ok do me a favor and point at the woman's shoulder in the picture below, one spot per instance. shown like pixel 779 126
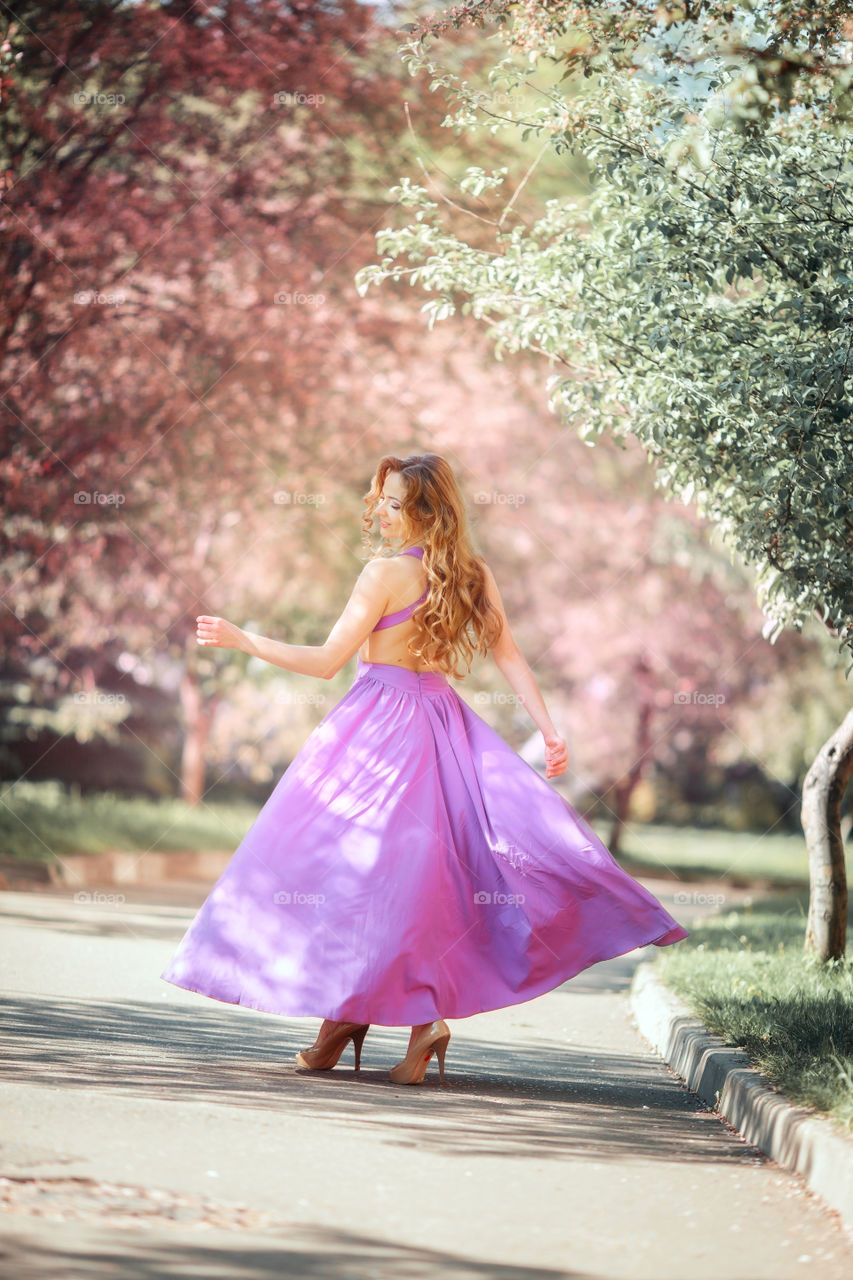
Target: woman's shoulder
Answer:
pixel 387 568
pixel 394 563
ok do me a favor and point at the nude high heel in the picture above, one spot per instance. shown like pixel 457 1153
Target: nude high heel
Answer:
pixel 413 1067
pixel 323 1056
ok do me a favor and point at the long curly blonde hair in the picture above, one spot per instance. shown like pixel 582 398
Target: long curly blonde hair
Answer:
pixel 456 620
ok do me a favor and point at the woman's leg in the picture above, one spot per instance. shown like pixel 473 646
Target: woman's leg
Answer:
pixel 419 1030
pixel 329 1027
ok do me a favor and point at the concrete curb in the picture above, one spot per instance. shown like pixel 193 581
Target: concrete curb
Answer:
pixel 100 869
pixel 723 1078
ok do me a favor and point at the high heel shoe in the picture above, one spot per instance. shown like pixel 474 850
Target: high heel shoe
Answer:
pixel 323 1056
pixel 412 1069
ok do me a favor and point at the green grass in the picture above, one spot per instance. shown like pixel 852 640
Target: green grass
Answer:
pixel 744 973
pixel 38 820
pixel 692 853
pixel 41 820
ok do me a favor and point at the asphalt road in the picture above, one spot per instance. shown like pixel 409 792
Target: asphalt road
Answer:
pixel 152 1133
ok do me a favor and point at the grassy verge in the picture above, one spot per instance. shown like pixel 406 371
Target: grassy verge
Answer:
pixel 38 820
pixel 694 853
pixel 744 973
pixel 41 820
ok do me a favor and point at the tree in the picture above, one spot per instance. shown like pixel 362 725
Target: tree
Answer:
pixel 182 186
pixel 700 298
pixel 822 793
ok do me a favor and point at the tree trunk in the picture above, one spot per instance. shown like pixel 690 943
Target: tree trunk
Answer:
pixel 624 788
pixel 823 790
pixel 198 716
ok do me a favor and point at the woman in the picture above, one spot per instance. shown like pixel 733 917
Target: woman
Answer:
pixel 409 865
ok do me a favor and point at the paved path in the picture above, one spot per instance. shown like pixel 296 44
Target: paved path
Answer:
pixel 152 1133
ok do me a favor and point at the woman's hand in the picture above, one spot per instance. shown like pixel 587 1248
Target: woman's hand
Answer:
pixel 218 632
pixel 556 755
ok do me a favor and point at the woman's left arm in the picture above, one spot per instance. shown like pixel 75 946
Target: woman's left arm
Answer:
pixel 363 610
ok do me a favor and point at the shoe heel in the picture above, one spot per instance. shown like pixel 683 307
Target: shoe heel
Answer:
pixel 357 1042
pixel 413 1067
pixel 440 1047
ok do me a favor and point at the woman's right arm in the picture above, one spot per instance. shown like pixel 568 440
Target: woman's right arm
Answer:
pixel 363 610
pixel 513 667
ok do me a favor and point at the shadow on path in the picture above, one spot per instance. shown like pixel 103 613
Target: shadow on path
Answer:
pixel 311 1254
pixel 500 1098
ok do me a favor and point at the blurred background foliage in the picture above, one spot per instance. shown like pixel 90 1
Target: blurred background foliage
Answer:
pixel 195 399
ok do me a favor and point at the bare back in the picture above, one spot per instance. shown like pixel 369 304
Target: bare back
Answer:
pixel 389 645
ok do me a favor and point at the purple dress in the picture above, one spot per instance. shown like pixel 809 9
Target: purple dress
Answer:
pixel 408 866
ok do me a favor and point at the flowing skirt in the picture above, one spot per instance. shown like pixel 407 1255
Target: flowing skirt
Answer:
pixel 408 866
